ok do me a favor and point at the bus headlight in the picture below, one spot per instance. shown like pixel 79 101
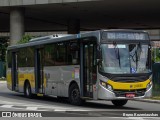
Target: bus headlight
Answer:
pixel 102 83
pixel 149 86
pixel 105 85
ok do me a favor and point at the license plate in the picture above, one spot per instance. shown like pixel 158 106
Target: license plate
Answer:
pixel 138 86
pixel 130 95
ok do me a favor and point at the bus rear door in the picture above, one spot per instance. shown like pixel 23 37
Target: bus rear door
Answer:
pixel 39 75
pixel 14 72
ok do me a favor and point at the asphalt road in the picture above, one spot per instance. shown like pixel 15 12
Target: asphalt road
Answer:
pixel 12 101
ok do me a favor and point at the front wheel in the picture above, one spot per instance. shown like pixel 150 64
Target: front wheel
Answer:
pixel 119 102
pixel 74 95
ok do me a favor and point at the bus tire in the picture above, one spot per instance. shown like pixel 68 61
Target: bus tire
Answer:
pixel 74 95
pixel 119 102
pixel 27 90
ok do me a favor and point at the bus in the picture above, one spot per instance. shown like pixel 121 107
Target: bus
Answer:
pixel 110 65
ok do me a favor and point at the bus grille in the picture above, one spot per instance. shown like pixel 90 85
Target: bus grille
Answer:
pixel 122 93
pixel 129 79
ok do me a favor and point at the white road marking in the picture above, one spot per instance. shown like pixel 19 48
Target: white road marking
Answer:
pixel 6 106
pixel 17 105
pixel 59 110
pixel 31 108
pixel 7 102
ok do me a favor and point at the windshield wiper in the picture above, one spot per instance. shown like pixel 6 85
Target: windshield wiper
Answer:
pixel 117 53
pixel 137 55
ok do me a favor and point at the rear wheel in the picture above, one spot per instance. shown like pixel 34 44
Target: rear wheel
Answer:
pixel 27 90
pixel 74 95
pixel 119 102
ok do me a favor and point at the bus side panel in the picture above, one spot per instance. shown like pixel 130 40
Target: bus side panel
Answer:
pixel 22 76
pixel 58 79
pixel 31 78
pixel 68 74
pixel 26 73
pixel 9 79
pixel 52 75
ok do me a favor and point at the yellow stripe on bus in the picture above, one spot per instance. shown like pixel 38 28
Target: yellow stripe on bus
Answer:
pixel 21 79
pixel 128 86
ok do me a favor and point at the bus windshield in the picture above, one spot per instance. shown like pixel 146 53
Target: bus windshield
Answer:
pixel 125 58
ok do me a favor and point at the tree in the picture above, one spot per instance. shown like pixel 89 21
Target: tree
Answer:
pixel 25 39
pixel 3 48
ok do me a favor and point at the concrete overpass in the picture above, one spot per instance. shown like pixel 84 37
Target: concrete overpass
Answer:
pixel 18 16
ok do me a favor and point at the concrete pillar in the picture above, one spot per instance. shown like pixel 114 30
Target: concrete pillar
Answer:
pixel 16 24
pixel 73 26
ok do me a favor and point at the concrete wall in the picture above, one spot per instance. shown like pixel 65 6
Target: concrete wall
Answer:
pixel 34 2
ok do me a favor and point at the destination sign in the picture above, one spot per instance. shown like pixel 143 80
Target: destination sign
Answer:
pixel 124 36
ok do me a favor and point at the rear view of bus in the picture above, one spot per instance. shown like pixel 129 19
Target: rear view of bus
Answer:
pixel 124 66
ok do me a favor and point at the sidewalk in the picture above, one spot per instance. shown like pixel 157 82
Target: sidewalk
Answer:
pixel 3 81
pixel 148 100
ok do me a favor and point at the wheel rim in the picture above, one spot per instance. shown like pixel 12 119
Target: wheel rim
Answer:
pixel 27 90
pixel 75 95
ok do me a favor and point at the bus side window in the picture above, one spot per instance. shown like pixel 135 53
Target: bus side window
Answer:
pixel 60 54
pixel 73 53
pixel 22 58
pixel 30 57
pixel 50 55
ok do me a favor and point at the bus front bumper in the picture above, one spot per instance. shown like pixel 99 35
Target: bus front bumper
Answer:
pixel 105 94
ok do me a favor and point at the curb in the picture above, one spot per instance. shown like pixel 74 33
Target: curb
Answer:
pixel 148 100
pixel 3 81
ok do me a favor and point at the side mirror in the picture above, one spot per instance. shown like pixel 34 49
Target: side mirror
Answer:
pixel 99 53
pixel 99 61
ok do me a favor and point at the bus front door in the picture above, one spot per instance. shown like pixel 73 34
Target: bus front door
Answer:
pixel 39 76
pixel 14 72
pixel 89 68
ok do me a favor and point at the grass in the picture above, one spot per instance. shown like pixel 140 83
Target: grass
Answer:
pixel 156 98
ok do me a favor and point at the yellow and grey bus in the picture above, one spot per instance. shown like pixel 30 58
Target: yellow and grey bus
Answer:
pixel 110 65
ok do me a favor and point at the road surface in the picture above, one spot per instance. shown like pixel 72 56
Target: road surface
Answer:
pixel 12 101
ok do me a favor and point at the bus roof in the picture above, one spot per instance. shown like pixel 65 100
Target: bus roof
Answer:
pixel 65 37
pixel 52 39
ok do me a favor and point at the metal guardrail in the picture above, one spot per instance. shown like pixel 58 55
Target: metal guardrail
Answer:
pixel 156 79
pixel 2 69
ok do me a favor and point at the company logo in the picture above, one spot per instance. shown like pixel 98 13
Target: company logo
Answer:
pixel 6 114
pixel 21 114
